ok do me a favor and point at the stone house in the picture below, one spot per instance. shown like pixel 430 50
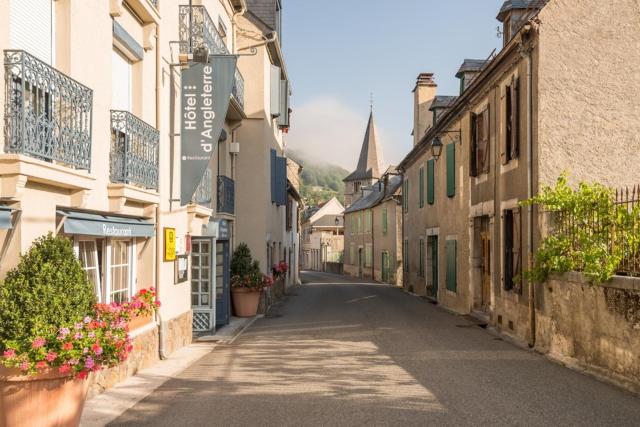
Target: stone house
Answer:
pixel 521 119
pixel 295 205
pixel 323 236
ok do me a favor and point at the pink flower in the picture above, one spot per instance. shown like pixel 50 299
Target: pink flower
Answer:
pixel 24 366
pixel 77 336
pixel 42 365
pixel 86 319
pixel 73 362
pixel 38 342
pixel 96 349
pixel 62 333
pixel 51 356
pixel 78 326
pixel 89 363
pixel 157 303
pixel 9 353
pixel 64 369
pixel 91 334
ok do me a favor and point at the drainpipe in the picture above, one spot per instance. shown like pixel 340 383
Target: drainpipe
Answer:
pixel 161 334
pixel 532 307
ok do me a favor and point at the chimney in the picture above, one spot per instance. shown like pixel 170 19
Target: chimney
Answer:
pixel 423 94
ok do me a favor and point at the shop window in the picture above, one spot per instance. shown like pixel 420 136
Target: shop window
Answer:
pixel 110 266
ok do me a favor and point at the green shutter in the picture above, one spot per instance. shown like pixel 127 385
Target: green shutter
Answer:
pixel 451 254
pixel 421 187
pixel 431 198
pixel 451 170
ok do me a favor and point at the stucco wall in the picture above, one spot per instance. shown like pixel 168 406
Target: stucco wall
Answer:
pixel 589 91
pixel 595 326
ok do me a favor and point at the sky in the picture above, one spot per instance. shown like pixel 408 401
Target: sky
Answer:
pixel 339 51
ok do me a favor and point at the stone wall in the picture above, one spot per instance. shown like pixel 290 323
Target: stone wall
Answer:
pixel 596 327
pixel 178 332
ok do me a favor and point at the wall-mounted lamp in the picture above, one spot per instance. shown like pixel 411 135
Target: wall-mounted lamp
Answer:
pixel 436 147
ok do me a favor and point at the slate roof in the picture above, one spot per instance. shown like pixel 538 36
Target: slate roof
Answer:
pixel 329 221
pixel 368 163
pixel 510 5
pixel 377 195
pixel 442 102
pixel 470 65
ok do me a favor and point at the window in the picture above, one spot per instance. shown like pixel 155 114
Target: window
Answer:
pixel 385 225
pixel 512 249
pixel 368 255
pixel 359 222
pixel 431 164
pixel 421 187
pixel 356 187
pixel 405 256
pixel 479 147
pixel 421 258
pixel 451 248
pixel 110 265
pixel 367 221
pixel 511 146
pixel 121 70
pixel 451 170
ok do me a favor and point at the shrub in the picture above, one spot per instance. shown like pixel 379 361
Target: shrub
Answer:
pixel 245 271
pixel 47 289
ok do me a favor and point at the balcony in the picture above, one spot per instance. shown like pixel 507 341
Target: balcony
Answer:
pixel 133 157
pixel 48 115
pixel 226 195
pixel 202 195
pixel 203 31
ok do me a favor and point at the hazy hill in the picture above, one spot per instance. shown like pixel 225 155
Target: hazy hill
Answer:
pixel 320 180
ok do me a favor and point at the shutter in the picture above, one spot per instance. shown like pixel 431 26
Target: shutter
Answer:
pixel 273 176
pixel 281 181
pixel 421 198
pixel 515 114
pixel 487 148
pixel 430 181
pixel 507 218
pixel 506 143
pixel 275 91
pixel 451 255
pixel 283 118
pixel 421 253
pixel 473 146
pixel 517 247
pixel 451 170
pixel 31 25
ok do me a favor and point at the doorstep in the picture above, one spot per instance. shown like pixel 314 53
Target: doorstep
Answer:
pixel 228 333
pixel 108 406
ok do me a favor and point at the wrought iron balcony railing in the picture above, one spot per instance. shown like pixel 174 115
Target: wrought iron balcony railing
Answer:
pixel 202 195
pixel 226 195
pixel 202 31
pixel 134 151
pixel 47 114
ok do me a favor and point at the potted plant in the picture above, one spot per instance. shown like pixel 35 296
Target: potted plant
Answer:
pixel 247 282
pixel 53 335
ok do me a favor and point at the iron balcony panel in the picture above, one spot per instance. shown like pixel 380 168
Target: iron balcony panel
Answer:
pixel 203 31
pixel 226 195
pixel 47 114
pixel 134 151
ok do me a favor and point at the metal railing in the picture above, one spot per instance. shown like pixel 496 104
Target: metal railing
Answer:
pixel 134 151
pixel 47 114
pixel 202 196
pixel 195 21
pixel 226 195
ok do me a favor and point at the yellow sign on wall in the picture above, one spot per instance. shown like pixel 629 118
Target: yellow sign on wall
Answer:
pixel 169 244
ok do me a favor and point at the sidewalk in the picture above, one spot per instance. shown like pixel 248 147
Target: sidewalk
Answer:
pixel 106 407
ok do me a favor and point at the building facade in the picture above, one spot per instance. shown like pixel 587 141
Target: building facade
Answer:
pixel 94 153
pixel 518 123
pixel 323 236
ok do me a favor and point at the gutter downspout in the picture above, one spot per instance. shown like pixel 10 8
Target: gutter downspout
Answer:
pixel 161 334
pixel 532 307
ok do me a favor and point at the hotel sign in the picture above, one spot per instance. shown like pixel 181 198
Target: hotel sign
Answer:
pixel 206 91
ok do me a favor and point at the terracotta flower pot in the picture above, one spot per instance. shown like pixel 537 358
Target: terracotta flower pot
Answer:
pixel 245 301
pixel 47 399
pixel 137 322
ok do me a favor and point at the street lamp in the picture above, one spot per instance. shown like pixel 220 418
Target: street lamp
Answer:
pixel 436 147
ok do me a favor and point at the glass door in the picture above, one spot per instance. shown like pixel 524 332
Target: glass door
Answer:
pixel 202 284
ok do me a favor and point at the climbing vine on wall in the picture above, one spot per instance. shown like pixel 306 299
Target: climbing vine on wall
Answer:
pixel 590 232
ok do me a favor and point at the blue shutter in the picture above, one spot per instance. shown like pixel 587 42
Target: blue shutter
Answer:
pixel 273 176
pixel 281 181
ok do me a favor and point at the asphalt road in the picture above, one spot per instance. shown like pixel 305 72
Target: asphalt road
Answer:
pixel 342 353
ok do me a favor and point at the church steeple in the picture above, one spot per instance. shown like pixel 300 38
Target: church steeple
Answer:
pixel 369 165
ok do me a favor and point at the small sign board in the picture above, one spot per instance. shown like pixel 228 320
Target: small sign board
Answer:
pixel 181 269
pixel 169 244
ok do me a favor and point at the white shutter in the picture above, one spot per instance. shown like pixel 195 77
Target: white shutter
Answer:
pixel 275 91
pixel 32 27
pixel 121 83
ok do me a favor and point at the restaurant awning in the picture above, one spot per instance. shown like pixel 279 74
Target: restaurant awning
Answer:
pixel 95 224
pixel 5 217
